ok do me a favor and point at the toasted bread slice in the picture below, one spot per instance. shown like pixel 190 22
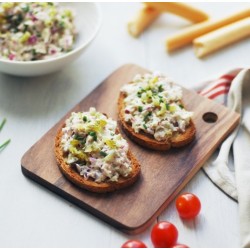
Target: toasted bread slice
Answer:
pixel 147 140
pixel 71 173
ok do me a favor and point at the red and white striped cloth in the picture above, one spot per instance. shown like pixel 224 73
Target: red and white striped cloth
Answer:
pixel 219 88
pixel 228 168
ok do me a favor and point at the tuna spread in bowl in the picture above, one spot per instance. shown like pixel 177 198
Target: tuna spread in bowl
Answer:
pixel 41 38
pixel 32 31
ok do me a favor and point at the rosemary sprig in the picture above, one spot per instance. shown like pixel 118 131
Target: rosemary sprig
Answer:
pixel 4 144
pixel 2 124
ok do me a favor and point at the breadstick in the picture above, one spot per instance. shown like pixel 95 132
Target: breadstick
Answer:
pixel 222 37
pixel 187 35
pixel 184 10
pixel 144 18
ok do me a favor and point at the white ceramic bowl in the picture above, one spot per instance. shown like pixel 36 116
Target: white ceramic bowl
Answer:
pixel 88 22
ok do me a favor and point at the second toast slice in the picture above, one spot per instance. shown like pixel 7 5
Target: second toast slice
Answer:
pixel 152 113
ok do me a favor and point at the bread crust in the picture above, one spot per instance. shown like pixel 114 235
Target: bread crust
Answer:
pixel 103 187
pixel 148 141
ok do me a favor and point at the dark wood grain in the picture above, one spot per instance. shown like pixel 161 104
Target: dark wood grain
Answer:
pixel 163 175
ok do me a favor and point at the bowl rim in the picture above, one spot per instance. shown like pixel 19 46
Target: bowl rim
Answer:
pixel 74 51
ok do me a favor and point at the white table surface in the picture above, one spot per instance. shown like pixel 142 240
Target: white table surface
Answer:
pixel 32 216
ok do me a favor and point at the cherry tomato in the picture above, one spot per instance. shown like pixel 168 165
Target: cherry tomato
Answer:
pixel 188 205
pixel 180 246
pixel 164 234
pixel 134 244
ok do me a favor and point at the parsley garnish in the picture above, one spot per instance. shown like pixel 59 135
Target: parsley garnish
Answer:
pixel 167 106
pixel 140 108
pixel 144 126
pixel 85 118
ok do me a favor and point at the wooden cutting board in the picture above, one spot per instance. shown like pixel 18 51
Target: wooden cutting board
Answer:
pixel 163 174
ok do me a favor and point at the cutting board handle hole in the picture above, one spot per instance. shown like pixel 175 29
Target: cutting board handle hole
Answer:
pixel 210 117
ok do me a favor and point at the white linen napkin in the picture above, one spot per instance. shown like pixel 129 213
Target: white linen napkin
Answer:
pixel 233 89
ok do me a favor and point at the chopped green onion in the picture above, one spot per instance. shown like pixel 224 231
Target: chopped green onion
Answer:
pixel 19 18
pixel 93 134
pixel 26 8
pixel 5 144
pixel 2 124
pixel 61 24
pixel 33 52
pixel 160 88
pixel 154 92
pixel 140 108
pixel 144 126
pixel 167 106
pixel 139 94
pixel 79 138
pixel 146 117
pixel 25 28
pixel 85 118
pixel 181 106
pixel 102 153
